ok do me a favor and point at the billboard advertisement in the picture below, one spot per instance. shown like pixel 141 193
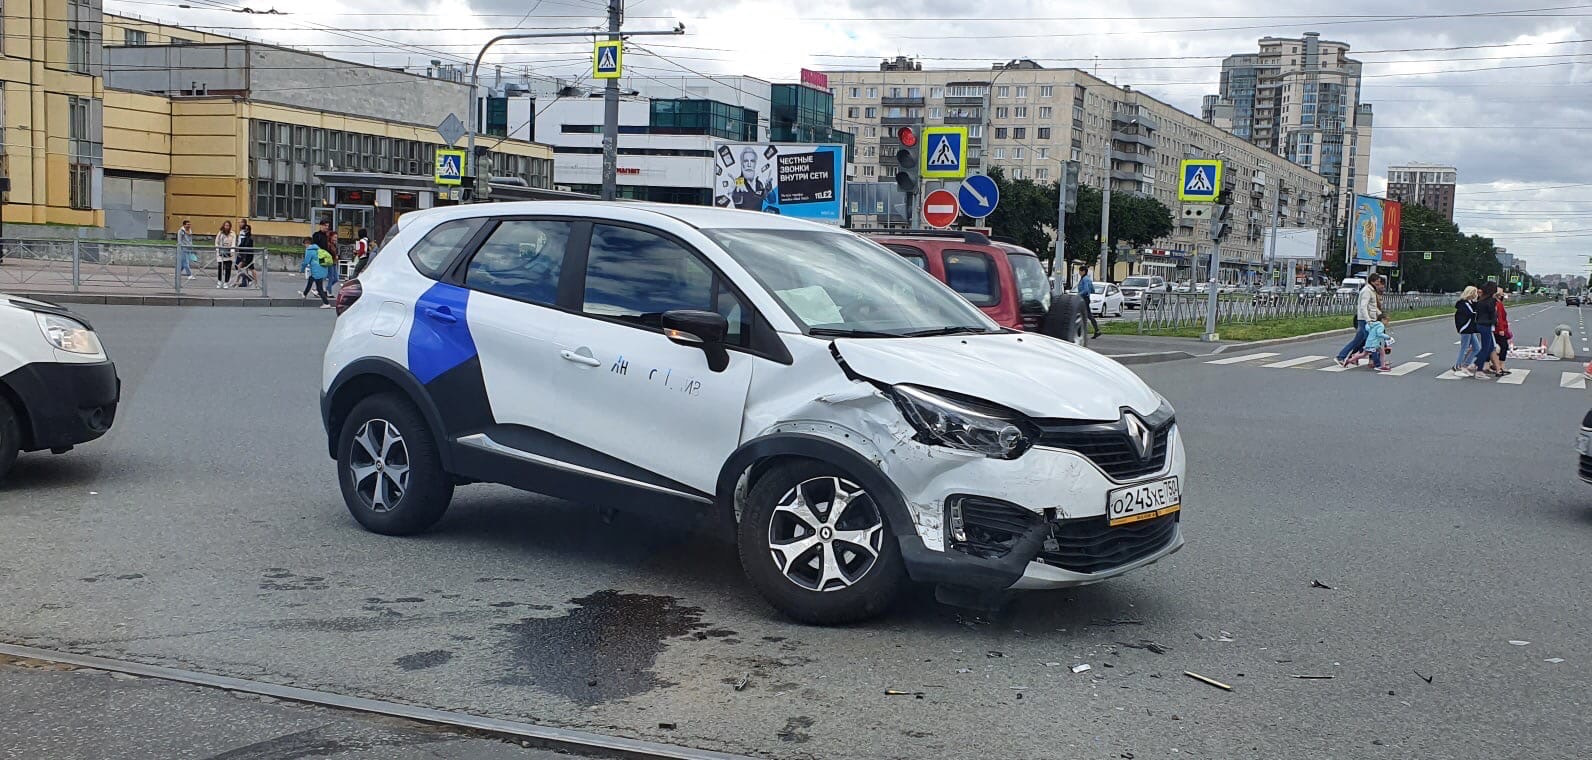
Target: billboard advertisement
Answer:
pixel 1292 243
pixel 1374 235
pixel 804 181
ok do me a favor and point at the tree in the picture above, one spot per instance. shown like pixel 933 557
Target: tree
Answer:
pixel 1135 220
pixel 1026 213
pixel 1457 259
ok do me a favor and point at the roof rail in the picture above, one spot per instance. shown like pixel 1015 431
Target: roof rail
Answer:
pixel 971 238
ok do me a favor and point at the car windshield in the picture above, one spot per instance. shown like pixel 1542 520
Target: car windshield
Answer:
pixel 835 283
pixel 1136 282
pixel 1032 284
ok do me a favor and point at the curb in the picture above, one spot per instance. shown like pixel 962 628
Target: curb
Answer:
pixel 114 300
pixel 1312 336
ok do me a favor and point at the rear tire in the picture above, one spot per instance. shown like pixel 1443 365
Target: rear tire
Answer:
pixel 842 566
pixel 10 437
pixel 1067 319
pixel 390 468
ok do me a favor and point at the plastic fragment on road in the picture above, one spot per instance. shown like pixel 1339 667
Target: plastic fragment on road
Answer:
pixel 1081 667
pixel 1314 678
pixel 1205 680
pixel 1427 679
pixel 1554 660
pixel 1319 584
pixel 743 681
pixel 1519 643
pixel 1147 644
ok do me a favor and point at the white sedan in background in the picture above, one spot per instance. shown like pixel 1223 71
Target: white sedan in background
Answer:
pixel 1106 301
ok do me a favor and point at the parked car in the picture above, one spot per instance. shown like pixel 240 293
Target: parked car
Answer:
pixel 58 388
pixel 1134 288
pixel 1350 286
pixel 1106 301
pixel 1572 299
pixel 858 423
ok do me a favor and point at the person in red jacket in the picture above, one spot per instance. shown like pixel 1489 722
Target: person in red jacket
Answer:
pixel 1502 335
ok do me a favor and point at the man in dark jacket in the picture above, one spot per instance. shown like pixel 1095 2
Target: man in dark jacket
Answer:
pixel 1486 321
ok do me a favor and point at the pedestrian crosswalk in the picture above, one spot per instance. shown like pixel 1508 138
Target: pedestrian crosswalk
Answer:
pixel 1571 378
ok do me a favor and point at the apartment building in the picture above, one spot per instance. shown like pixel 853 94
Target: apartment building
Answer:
pixel 1428 185
pixel 1027 120
pixel 1300 99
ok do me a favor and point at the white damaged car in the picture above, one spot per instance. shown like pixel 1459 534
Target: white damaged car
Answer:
pixel 860 423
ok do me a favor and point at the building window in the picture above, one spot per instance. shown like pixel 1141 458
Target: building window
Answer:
pixel 936 112
pixel 871 113
pixel 1017 173
pixel 873 92
pixel 870 151
pixel 895 92
pixel 1046 112
pixel 1022 91
pixel 1003 91
pixel 856 92
pixel 135 37
pixel 1077 113
pixel 1043 152
pixel 1020 133
pixel 78 42
pixel 998 153
pixel 1044 133
pixel 914 92
pixel 1077 155
pixel 1047 91
pixel 1017 152
pixel 1002 112
pixel 1000 133
pixel 1041 173
pixel 870 131
pixel 77 111
pixel 82 185
pixel 936 92
pixel 868 170
pixel 853 112
pixel 1022 112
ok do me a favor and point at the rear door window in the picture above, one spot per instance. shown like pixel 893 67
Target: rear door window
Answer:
pixel 973 275
pixel 436 250
pixel 522 259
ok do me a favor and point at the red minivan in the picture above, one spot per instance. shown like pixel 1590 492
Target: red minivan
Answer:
pixel 1006 281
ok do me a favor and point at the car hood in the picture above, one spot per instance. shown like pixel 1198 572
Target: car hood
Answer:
pixel 1033 374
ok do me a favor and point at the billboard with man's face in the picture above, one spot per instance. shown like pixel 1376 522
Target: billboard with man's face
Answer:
pixel 804 181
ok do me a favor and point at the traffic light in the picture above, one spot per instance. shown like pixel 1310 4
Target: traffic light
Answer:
pixel 1220 211
pixel 1069 184
pixel 907 160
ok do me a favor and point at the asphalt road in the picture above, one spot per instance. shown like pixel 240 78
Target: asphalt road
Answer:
pixel 206 533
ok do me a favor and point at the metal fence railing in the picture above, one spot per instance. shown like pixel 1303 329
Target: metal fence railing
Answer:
pixel 1161 312
pixel 78 265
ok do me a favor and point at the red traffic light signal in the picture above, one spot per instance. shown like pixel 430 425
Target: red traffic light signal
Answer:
pixel 907 137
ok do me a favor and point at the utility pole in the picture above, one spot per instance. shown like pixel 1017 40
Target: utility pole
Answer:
pixel 1271 263
pixel 616 18
pixel 1105 220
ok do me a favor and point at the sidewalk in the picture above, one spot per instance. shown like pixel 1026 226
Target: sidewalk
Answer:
pixel 136 285
pixel 51 711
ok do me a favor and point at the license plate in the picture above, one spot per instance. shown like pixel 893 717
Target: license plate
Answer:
pixel 1143 501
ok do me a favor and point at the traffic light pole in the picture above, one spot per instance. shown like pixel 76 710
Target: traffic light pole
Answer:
pixel 1210 301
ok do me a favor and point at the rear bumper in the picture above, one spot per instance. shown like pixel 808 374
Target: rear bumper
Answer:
pixel 65 403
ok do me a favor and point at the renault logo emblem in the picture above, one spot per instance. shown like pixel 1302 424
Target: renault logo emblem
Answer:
pixel 1138 432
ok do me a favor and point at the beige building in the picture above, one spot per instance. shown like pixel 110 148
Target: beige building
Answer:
pixel 130 134
pixel 1300 98
pixel 1028 120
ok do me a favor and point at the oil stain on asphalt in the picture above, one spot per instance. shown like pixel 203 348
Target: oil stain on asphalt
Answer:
pixel 603 650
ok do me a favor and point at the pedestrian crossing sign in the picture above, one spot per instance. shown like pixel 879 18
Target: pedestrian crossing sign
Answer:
pixel 608 59
pixel 450 167
pixel 944 153
pixel 1200 180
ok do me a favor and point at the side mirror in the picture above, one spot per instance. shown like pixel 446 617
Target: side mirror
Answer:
pixel 699 329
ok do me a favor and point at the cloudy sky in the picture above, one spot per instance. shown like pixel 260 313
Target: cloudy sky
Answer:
pixel 1502 89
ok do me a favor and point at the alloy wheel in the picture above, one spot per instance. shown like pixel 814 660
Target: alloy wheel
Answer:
pixel 379 464
pixel 825 534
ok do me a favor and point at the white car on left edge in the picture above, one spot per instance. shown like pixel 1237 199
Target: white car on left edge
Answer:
pixel 57 387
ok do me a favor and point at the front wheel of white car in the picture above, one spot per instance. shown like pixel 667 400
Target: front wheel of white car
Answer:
pixel 818 546
pixel 390 469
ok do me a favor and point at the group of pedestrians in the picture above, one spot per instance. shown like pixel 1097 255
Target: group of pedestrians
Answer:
pixel 1371 339
pixel 1484 335
pixel 235 254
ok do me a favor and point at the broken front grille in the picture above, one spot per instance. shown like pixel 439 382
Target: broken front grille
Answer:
pixel 1110 445
pixel 1091 545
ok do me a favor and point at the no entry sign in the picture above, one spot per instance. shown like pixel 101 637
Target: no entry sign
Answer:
pixel 939 209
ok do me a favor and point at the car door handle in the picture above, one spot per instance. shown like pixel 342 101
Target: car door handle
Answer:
pixel 580 358
pixel 440 314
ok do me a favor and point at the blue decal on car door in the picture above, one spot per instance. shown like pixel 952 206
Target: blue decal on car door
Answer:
pixel 440 339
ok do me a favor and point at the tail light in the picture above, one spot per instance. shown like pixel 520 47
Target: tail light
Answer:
pixel 347 295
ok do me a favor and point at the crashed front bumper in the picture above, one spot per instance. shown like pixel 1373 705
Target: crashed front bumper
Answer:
pixel 1059 493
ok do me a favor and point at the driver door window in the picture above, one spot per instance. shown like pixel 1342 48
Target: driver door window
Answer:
pixel 634 276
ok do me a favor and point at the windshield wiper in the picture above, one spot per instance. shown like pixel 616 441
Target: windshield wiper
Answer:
pixel 957 330
pixel 835 332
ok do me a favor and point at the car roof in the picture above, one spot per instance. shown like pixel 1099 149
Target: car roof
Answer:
pixel 701 217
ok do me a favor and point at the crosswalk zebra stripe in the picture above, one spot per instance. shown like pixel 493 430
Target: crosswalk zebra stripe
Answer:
pixel 1334 367
pixel 1293 362
pixel 1449 374
pixel 1244 358
pixel 1515 377
pixel 1423 356
pixel 1572 380
pixel 1405 368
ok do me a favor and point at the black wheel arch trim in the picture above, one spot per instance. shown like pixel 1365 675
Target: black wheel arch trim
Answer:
pixel 395 373
pixel 923 565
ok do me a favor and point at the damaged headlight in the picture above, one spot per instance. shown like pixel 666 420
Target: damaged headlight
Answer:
pixel 69 335
pixel 963 423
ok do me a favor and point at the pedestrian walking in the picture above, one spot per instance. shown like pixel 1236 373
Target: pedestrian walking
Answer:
pixel 1086 289
pixel 1465 325
pixel 1366 311
pixel 326 238
pixel 361 251
pixel 1486 322
pixel 244 264
pixel 185 252
pixel 315 265
pixel 1502 336
pixel 1377 346
pixel 226 248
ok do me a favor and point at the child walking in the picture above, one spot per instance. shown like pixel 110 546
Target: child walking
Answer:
pixel 315 265
pixel 1377 341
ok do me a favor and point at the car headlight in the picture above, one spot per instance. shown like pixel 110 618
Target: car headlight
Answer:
pixel 963 424
pixel 69 335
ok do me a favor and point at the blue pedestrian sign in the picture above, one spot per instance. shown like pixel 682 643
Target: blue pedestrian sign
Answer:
pixel 450 167
pixel 978 196
pixel 944 153
pixel 1200 180
pixel 608 59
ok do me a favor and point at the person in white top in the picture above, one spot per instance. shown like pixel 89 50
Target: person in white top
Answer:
pixel 226 248
pixel 1365 312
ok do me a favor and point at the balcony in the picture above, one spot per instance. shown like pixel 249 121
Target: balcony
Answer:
pixel 908 102
pixel 1142 118
pixel 1131 158
pixel 1129 175
pixel 964 120
pixel 952 101
pixel 1141 139
pixel 901 121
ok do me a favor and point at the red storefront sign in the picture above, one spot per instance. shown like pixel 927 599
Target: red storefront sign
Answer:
pixel 815 79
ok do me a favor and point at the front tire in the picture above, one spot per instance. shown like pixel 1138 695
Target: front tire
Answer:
pixel 10 437
pixel 818 546
pixel 390 469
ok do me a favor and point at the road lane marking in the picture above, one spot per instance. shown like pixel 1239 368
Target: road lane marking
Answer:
pixel 1405 368
pixel 1423 356
pixel 1334 367
pixel 1515 377
pixel 1455 342
pixel 1572 380
pixel 1452 375
pixel 1294 362
pixel 1244 358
